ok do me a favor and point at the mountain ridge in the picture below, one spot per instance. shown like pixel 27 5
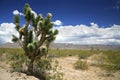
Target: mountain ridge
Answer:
pixel 69 46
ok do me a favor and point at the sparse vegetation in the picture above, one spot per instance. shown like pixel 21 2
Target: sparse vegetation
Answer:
pixel 85 54
pixel 18 62
pixel 111 60
pixel 70 52
pixel 11 50
pixel 110 57
pixel 83 65
pixel 48 71
pixel 43 68
pixel 63 53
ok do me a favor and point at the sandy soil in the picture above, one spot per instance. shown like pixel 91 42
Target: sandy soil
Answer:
pixel 93 73
pixel 5 75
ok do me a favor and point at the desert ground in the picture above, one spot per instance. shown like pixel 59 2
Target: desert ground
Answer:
pixel 67 68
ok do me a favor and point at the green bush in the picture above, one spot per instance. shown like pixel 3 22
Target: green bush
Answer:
pixel 42 67
pixel 70 52
pixel 47 71
pixel 17 61
pixel 2 50
pixel 83 65
pixel 113 58
pixel 43 64
pixel 109 60
pixel 16 66
pixel 84 55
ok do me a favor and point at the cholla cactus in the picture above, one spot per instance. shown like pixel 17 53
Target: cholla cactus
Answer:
pixel 39 33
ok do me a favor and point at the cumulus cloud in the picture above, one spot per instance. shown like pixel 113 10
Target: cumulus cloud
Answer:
pixel 35 14
pixel 79 34
pixel 6 31
pixel 16 12
pixel 93 34
pixel 57 23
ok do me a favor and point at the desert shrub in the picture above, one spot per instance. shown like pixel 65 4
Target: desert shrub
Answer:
pixel 17 61
pixel 17 56
pixel 57 75
pixel 10 51
pixel 70 52
pixel 45 70
pixel 85 54
pixel 16 66
pixel 83 65
pixel 61 53
pixel 2 51
pixel 43 64
pixel 113 58
pixel 1 54
pixel 107 67
pixel 109 60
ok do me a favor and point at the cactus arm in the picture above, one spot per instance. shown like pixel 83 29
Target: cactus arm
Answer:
pixel 25 42
pixel 42 39
pixel 19 41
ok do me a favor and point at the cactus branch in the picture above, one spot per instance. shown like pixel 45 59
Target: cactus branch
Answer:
pixel 40 34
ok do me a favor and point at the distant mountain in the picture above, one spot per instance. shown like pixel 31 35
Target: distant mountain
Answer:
pixel 84 47
pixel 69 46
pixel 10 45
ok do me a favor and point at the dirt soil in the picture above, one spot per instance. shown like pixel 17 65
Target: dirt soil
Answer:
pixel 93 73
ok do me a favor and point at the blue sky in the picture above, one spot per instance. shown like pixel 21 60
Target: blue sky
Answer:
pixel 78 21
pixel 70 12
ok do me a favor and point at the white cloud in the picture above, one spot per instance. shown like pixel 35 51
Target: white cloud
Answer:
pixel 6 31
pixel 57 23
pixel 94 25
pixel 79 34
pixel 16 12
pixel 93 34
pixel 35 14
